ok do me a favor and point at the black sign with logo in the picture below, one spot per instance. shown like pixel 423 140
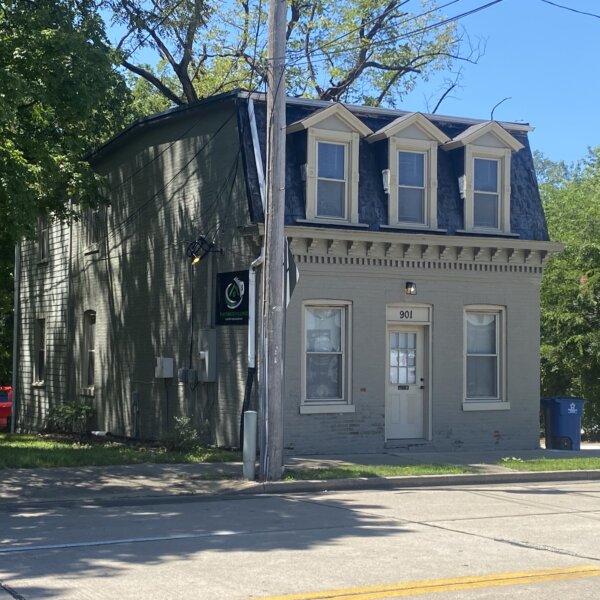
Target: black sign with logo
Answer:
pixel 232 298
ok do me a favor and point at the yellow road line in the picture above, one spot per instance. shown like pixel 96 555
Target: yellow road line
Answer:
pixel 414 588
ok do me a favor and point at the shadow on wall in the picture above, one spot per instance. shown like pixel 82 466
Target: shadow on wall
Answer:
pixel 168 188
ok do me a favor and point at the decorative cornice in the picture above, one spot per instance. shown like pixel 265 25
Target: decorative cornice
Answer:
pixel 384 249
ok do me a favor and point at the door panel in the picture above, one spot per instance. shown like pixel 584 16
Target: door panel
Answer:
pixel 404 383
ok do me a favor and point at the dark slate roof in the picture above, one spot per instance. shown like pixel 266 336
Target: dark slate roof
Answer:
pixel 527 216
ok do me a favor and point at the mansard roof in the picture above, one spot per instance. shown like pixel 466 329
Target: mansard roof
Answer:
pixel 527 216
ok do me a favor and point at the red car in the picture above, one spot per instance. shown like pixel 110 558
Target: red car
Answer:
pixel 5 406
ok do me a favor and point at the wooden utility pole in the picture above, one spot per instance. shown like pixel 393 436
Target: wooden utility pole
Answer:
pixel 271 459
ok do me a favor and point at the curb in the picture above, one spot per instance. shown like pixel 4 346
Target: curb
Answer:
pixel 390 483
pixel 245 489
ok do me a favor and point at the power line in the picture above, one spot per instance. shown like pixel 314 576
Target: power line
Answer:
pixel 373 19
pixel 408 34
pixel 580 12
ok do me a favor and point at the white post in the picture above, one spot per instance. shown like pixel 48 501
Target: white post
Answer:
pixel 249 452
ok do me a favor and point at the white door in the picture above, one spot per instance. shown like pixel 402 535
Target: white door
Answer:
pixel 405 383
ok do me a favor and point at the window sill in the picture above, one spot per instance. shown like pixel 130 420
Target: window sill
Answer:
pixel 38 384
pixel 413 228
pixel 310 409
pixel 473 405
pixel 91 249
pixel 488 233
pixel 87 391
pixel 339 222
pixel 42 261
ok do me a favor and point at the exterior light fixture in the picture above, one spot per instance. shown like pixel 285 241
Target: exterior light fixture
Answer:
pixel 410 288
pixel 199 248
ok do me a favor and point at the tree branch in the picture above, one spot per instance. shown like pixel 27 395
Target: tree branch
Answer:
pixel 155 81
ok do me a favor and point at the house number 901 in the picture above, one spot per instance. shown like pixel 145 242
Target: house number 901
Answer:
pixel 406 314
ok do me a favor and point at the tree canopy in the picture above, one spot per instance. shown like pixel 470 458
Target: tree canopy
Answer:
pixel 570 350
pixel 363 51
pixel 59 96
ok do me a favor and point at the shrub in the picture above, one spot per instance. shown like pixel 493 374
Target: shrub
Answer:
pixel 70 417
pixel 182 437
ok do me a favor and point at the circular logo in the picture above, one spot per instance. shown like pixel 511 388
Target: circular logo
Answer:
pixel 234 293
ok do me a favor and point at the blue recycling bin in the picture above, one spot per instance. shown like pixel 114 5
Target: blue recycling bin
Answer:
pixel 562 418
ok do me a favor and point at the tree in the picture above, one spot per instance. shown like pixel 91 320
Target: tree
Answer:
pixel 570 350
pixel 59 96
pixel 365 51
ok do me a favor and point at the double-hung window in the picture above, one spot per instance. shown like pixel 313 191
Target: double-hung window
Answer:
pixel 89 349
pixel 486 193
pixel 332 177
pixel 331 174
pixel 43 235
pixel 485 184
pixel 484 360
pixel 39 351
pixel 92 227
pixel 411 183
pixel 411 187
pixel 326 356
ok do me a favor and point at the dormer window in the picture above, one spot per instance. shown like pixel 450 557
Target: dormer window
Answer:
pixel 331 169
pixel 411 177
pixel 485 184
pixel 411 187
pixel 486 193
pixel 332 178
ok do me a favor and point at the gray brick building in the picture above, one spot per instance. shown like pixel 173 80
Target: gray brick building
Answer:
pixel 420 242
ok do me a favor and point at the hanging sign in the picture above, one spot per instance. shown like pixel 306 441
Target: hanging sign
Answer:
pixel 232 298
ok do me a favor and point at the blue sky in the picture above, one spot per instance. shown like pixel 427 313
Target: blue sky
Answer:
pixel 546 59
pixel 543 58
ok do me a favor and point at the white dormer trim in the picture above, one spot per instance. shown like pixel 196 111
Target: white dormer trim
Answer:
pixel 336 126
pixel 338 111
pixel 415 134
pixel 486 210
pixel 399 125
pixel 475 132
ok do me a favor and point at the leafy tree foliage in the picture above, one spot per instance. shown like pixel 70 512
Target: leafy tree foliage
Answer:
pixel 571 287
pixel 59 96
pixel 364 51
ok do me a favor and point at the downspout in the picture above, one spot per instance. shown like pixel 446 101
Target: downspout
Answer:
pixel 251 339
pixel 16 317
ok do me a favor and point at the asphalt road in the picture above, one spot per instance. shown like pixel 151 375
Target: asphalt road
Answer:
pixel 499 541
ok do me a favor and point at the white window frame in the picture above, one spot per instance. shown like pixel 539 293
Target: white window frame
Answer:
pixel 351 141
pixel 430 150
pixel 500 402
pixel 503 158
pixel 40 336
pixel 87 350
pixel 329 405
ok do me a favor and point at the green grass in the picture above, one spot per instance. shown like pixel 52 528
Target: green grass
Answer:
pixel 551 464
pixel 19 451
pixel 325 473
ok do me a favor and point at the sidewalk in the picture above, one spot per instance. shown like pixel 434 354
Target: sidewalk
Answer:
pixel 162 483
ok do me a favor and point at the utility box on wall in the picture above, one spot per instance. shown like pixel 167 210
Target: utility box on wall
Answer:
pixel 164 367
pixel 207 350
